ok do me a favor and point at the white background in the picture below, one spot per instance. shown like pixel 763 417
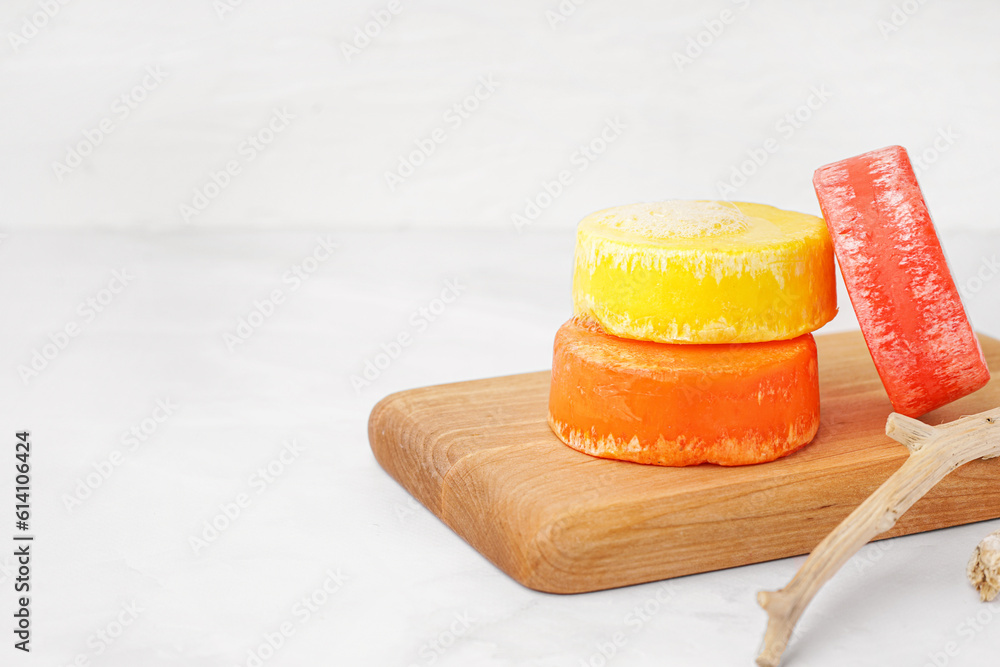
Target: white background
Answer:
pixel 686 127
pixel 928 77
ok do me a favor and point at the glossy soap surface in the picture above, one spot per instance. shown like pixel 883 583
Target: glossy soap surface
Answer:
pixel 679 405
pixel 704 272
pixel 895 270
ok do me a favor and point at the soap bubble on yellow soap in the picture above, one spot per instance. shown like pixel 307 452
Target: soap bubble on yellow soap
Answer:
pixel 688 221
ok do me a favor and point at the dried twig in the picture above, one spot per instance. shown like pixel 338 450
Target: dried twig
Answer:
pixel 984 567
pixel 934 452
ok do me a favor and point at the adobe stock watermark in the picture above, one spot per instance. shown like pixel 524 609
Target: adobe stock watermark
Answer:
pixel 59 340
pixel 988 269
pixel 230 511
pixel 943 141
pixel 403 511
pixel 302 612
pixel 217 181
pixel 562 12
pixel 33 24
pixel 102 639
pixel 120 109
pixel 968 629
pixel 785 128
pixel 432 650
pixel 605 651
pixel 871 554
pixel 581 159
pixel 899 16
pixel 454 117
pixel 131 440
pixel 365 34
pixel 264 309
pixel 224 8
pixel 702 40
pixel 419 321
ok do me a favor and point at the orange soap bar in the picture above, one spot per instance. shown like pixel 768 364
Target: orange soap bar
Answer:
pixel 679 405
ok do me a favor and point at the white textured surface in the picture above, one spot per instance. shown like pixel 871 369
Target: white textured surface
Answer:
pixel 162 337
pixel 606 74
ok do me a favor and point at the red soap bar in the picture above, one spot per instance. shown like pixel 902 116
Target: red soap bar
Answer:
pixel 895 271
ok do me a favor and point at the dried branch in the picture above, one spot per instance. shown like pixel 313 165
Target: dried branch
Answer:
pixel 934 452
pixel 984 567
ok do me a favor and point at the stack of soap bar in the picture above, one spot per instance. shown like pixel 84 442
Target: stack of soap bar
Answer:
pixel 682 405
pixel 704 272
pixel 691 336
pixel 905 298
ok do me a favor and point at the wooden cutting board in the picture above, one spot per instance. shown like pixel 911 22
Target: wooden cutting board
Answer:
pixel 480 455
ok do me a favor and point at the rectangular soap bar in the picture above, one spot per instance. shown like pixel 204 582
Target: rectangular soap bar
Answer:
pixel 902 291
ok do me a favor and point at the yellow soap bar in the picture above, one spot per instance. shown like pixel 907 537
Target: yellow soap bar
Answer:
pixel 704 272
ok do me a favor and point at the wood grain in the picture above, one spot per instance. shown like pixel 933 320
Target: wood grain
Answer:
pixel 480 455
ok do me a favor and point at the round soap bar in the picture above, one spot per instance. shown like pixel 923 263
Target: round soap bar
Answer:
pixel 907 305
pixel 679 405
pixel 704 272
